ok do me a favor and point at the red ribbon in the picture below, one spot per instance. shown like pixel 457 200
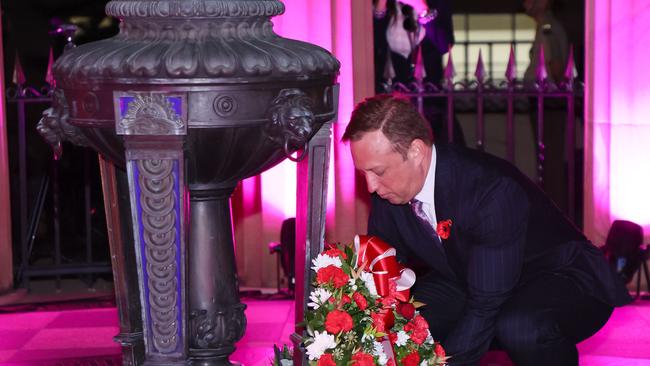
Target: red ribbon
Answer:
pixel 378 257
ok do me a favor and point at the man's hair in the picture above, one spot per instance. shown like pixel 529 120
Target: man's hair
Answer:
pixel 395 116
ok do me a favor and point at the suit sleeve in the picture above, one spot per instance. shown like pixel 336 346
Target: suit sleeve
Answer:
pixel 382 225
pixel 498 231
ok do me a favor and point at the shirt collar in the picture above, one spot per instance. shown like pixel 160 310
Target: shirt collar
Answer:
pixel 426 195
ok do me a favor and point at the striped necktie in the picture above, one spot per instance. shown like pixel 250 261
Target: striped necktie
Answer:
pixel 418 210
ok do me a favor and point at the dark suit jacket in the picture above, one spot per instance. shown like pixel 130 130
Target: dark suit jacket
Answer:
pixel 505 232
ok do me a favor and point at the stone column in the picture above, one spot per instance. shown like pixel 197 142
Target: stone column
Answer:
pixel 217 318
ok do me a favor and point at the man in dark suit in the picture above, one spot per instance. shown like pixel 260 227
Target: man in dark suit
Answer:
pixel 505 265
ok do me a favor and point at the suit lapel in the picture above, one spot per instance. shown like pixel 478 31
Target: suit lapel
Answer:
pixel 442 195
pixel 443 183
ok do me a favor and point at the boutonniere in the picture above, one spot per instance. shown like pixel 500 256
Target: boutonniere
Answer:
pixel 444 228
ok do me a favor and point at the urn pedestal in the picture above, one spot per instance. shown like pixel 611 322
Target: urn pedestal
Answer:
pixel 187 100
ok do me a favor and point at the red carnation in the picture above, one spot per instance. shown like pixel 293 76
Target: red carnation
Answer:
pixel 419 336
pixel 418 328
pixel 389 299
pixel 406 309
pixel 335 252
pixel 378 322
pixel 439 351
pixel 383 321
pixel 362 359
pixel 418 323
pixel 412 359
pixel 337 321
pixel 332 274
pixel 392 337
pixel 443 229
pixel 390 362
pixel 361 301
pixel 345 299
pixel 327 359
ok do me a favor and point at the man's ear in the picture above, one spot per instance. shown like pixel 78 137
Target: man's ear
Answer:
pixel 416 149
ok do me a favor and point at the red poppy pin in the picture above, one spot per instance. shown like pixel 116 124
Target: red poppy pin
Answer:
pixel 444 228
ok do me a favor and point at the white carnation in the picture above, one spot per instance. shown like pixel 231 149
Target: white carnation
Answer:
pixel 318 297
pixel 402 338
pixel 285 362
pixel 324 260
pixel 353 284
pixel 369 281
pixel 377 348
pixel 424 363
pixel 378 351
pixel 322 342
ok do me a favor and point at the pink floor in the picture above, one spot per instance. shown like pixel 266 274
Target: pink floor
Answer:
pixel 84 337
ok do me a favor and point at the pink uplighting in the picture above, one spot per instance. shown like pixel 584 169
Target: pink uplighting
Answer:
pixel 85 337
pixel 617 116
pixel 312 21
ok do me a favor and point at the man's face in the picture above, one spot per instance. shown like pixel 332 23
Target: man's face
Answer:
pixel 387 173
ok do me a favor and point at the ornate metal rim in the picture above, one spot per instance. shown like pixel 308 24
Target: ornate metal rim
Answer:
pixel 194 9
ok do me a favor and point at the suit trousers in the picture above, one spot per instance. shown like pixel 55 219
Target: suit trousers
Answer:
pixel 539 324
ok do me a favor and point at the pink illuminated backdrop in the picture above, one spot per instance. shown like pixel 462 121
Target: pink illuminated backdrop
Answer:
pixel 263 202
pixel 617 115
pixel 326 24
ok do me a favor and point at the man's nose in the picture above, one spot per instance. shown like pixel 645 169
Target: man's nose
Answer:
pixel 372 183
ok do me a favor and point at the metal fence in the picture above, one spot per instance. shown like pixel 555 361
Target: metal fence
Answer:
pixel 509 97
pixel 32 203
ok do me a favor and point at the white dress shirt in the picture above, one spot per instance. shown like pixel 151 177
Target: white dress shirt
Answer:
pixel 427 194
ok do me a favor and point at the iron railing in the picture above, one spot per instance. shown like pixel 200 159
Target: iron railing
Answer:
pixel 510 97
pixel 30 217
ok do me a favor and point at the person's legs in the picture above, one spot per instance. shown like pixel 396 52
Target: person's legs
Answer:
pixel 544 319
pixel 444 301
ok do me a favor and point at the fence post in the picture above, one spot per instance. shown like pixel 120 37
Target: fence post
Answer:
pixel 480 114
pixel 511 75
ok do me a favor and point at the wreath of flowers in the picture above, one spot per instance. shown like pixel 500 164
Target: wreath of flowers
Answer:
pixel 360 312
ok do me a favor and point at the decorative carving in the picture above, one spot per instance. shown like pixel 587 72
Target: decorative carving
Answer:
pixel 224 105
pixel 220 328
pixel 292 119
pixel 165 48
pixel 327 97
pixel 209 8
pixel 90 103
pixel 149 114
pixel 54 126
pixel 159 227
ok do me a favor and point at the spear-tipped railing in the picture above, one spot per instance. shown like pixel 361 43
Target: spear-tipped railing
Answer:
pixel 25 97
pixel 510 96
